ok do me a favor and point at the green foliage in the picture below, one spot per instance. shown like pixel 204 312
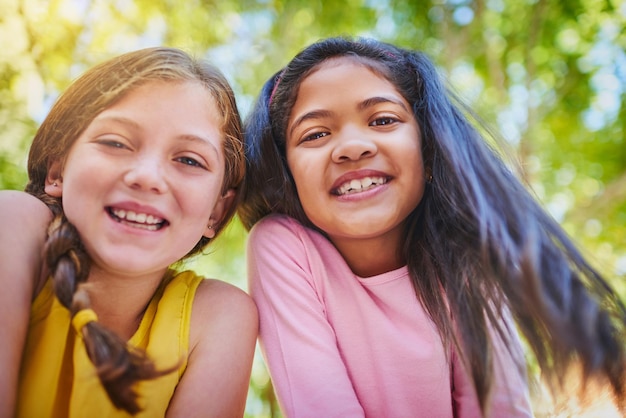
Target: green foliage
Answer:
pixel 550 75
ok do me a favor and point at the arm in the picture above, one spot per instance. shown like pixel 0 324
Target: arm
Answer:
pixel 224 327
pixel 23 221
pixel 297 341
pixel 509 392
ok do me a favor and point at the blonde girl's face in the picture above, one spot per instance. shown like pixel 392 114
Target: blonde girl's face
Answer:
pixel 143 181
pixel 354 150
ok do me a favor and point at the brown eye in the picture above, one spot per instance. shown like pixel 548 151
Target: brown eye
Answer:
pixel 313 137
pixel 383 121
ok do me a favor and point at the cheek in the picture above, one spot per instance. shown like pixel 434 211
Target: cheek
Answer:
pixel 80 198
pixel 78 182
pixel 306 184
pixel 198 201
pixel 304 178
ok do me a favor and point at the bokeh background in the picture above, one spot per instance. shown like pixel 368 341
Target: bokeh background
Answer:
pixel 549 75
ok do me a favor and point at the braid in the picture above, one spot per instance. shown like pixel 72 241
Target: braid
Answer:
pixel 119 365
pixel 66 259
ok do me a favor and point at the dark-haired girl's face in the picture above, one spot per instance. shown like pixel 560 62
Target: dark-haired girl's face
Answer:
pixel 354 150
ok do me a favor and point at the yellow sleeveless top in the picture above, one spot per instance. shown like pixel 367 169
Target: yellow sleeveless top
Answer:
pixel 57 379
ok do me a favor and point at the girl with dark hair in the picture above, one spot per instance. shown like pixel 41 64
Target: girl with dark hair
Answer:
pixel 135 168
pixel 392 251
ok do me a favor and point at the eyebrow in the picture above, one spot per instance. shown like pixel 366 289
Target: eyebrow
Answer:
pixel 133 124
pixel 372 101
pixel 119 119
pixel 199 140
pixel 369 102
pixel 314 114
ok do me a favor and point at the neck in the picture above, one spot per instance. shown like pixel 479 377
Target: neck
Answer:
pixel 368 258
pixel 121 302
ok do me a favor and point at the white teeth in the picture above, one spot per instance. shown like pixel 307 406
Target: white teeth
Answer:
pixel 137 218
pixel 360 185
pixel 141 226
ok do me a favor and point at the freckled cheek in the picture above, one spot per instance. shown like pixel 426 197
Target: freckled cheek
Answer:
pixel 80 181
pixel 198 201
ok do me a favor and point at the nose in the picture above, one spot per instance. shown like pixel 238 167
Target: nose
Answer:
pixel 146 173
pixel 353 145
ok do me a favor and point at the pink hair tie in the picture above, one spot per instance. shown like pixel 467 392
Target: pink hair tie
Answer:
pixel 276 83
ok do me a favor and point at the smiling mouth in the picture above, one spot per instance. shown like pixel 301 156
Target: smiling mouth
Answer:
pixel 359 185
pixel 137 220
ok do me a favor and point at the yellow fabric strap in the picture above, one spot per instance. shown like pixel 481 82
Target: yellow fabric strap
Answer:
pixel 82 318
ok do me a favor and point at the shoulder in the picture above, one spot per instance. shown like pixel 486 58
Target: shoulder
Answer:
pixel 16 204
pixel 222 314
pixel 274 233
pixel 276 223
pixel 222 341
pixel 24 221
pixel 23 213
pixel 219 302
pixel 279 239
pixel 23 226
pixel 215 291
pixel 224 326
pixel 279 231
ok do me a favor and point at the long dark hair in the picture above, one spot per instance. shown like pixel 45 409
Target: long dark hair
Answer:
pixel 119 366
pixel 477 246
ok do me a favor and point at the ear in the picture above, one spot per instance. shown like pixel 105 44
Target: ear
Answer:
pixel 220 209
pixel 54 179
pixel 428 174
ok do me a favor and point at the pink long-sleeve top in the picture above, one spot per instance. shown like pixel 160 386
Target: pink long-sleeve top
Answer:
pixel 338 345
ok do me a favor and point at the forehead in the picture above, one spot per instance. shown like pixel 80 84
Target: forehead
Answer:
pixel 342 79
pixel 175 98
pixel 351 61
pixel 166 109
